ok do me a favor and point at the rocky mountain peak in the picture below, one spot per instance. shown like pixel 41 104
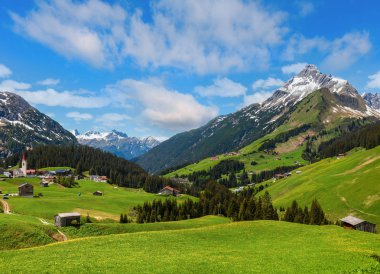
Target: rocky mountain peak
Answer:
pixel 372 100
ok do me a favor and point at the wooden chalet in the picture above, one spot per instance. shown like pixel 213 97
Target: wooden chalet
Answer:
pixel 351 222
pixel 26 190
pixel 97 193
pixel 44 184
pixel 67 219
pixel 168 190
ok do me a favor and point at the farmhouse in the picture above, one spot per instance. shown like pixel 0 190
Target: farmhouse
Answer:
pixel 44 184
pixel 67 219
pixel 99 179
pixel 168 190
pixel 25 190
pixel 18 173
pixel 351 222
pixel 98 193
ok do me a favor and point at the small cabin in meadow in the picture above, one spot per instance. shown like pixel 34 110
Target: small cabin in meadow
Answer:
pixel 351 222
pixel 98 193
pixel 44 184
pixel 67 219
pixel 168 190
pixel 25 190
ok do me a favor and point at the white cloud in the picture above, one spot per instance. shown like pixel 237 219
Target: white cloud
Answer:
pixel 257 97
pixel 347 50
pixel 112 120
pixel 298 45
pixel 305 8
pixel 77 116
pixel 337 54
pixel 161 107
pixel 51 97
pixel 12 86
pixel 48 82
pixel 293 68
pixel 201 36
pixel 4 71
pixel 87 31
pixel 374 80
pixel 222 87
pixel 267 83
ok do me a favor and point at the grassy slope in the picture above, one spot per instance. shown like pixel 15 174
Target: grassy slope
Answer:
pixel 256 247
pixel 58 199
pixel 97 229
pixel 18 231
pixel 349 185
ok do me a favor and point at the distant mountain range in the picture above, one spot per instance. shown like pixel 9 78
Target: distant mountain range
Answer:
pixel 117 142
pixel 21 126
pixel 336 103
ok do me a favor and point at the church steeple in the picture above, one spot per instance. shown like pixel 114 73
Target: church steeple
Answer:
pixel 24 164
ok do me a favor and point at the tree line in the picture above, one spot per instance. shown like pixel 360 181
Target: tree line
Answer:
pixel 214 200
pixel 366 137
pixel 119 171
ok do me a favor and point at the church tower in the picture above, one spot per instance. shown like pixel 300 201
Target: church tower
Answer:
pixel 24 164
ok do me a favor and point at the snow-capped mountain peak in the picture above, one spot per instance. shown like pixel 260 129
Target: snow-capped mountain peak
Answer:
pixel 305 82
pixel 117 142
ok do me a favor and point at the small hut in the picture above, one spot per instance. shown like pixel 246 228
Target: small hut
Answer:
pixel 98 193
pixel 67 219
pixel 168 190
pixel 351 222
pixel 44 184
pixel 25 190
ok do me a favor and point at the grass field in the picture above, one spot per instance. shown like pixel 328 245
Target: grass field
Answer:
pixel 57 199
pixel 349 185
pixel 243 247
pixel 21 231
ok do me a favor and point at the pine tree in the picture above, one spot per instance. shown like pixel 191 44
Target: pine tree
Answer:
pixel 317 216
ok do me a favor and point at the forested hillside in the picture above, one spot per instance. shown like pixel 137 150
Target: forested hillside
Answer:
pixel 366 137
pixel 84 158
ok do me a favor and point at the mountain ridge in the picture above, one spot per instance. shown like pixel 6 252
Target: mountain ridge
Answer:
pixel 233 131
pixel 22 125
pixel 117 142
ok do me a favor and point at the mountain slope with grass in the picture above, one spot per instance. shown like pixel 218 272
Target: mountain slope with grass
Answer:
pixel 316 119
pixel 343 185
pixel 339 101
pixel 246 247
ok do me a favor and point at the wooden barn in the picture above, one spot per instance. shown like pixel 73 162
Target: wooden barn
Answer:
pixel 98 193
pixel 25 190
pixel 351 222
pixel 67 219
pixel 168 190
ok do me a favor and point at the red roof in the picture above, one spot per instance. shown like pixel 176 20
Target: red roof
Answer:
pixel 171 189
pixel 23 157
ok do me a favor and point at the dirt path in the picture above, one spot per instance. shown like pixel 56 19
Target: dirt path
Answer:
pixel 64 238
pixel 362 165
pixel 44 222
pixel 6 207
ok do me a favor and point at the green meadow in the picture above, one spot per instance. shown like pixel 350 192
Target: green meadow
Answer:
pixel 55 199
pixel 241 247
pixel 348 185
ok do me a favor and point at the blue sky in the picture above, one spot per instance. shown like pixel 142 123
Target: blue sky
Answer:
pixel 161 67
